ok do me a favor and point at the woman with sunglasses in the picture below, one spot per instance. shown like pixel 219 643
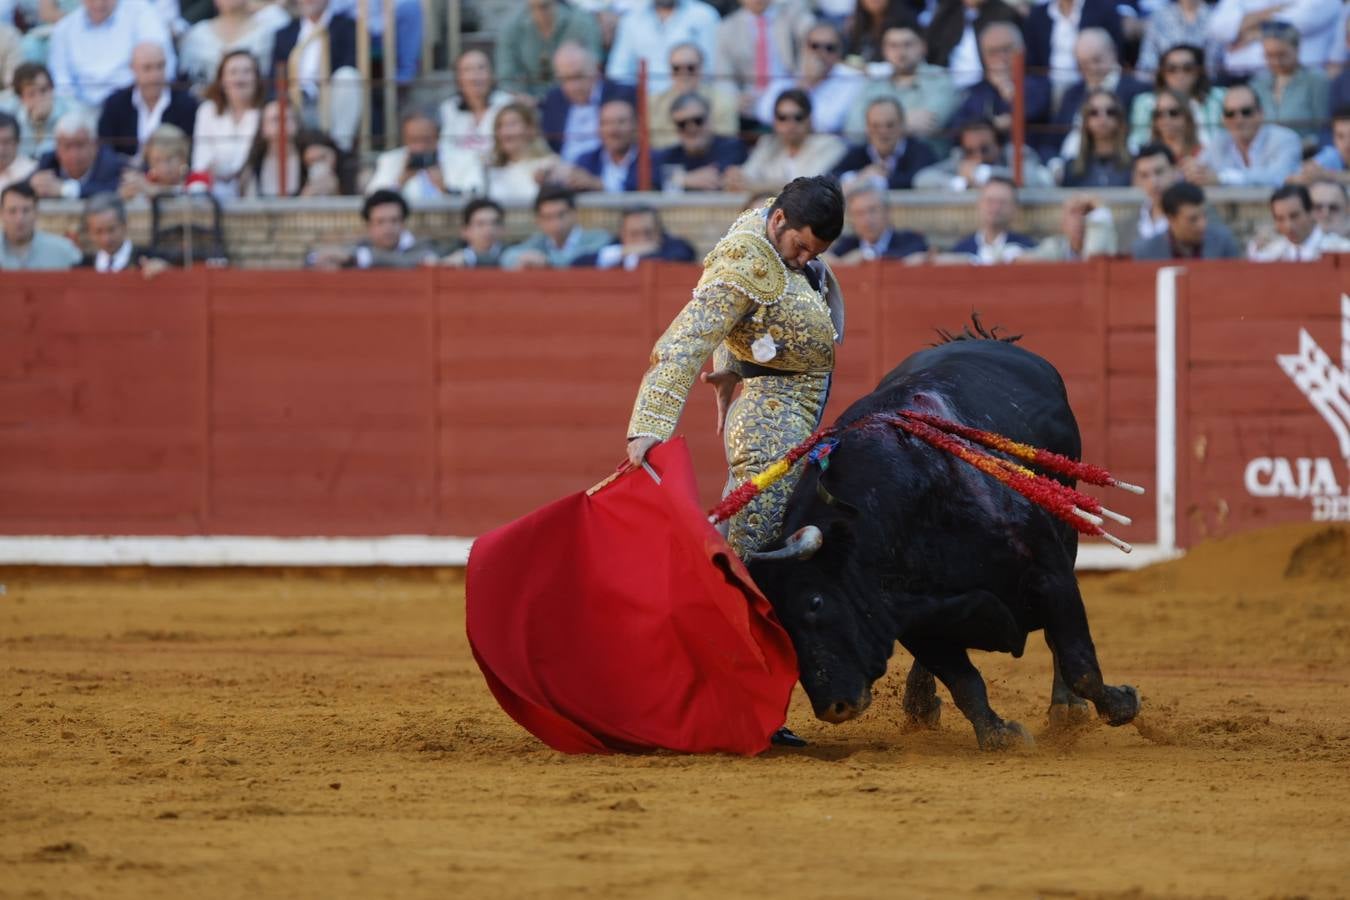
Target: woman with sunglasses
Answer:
pixel 1182 70
pixel 1176 23
pixel 1103 160
pixel 1174 126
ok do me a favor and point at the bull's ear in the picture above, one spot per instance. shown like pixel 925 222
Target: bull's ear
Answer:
pixel 828 497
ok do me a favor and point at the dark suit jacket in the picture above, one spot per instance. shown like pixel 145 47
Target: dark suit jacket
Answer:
pixel 902 244
pixel 1096 14
pixel 104 175
pixel 949 23
pixel 117 122
pixel 672 249
pixel 917 155
pixel 553 109
pixel 983 101
pixel 723 153
pixel 593 162
pixel 1127 88
pixel 967 244
pixel 138 254
pixel 341 45
pixel 1219 244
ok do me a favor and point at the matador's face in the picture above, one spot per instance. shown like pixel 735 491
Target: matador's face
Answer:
pixel 797 246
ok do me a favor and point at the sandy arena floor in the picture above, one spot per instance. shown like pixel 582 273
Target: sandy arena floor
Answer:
pixel 263 733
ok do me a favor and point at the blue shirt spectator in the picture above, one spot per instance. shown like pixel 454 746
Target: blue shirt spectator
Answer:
pixel 651 30
pixel 1250 152
pixel 90 52
pixel 832 86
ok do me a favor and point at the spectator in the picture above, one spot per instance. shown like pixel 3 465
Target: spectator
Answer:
pixel 237 25
pixel 888 153
pixel 1236 26
pixel 526 48
pixel 992 242
pixel 831 85
pixel 130 114
pixel 870 22
pixel 318 50
pixel 559 240
pixel 953 42
pixel 613 166
pixel 13 167
pixel 105 221
pixel 1182 71
pixel 790 152
pixel 871 234
pixel 925 91
pixel 570 112
pixel 1339 91
pixel 686 77
pixel 1188 235
pixel 416 170
pixel 408 28
pixel 759 46
pixel 22 246
pixel 1086 230
pixel 1329 200
pixel 1053 29
pixel 1154 172
pixel 1102 160
pixel 388 243
pixel 641 237
pixel 166 165
pixel 311 165
pixel 1298 236
pixel 227 120
pixel 520 161
pixel 698 161
pixel 992 96
pixel 1100 68
pixel 977 157
pixel 1332 162
pixel 480 236
pixel 1176 23
pixel 37 109
pixel 79 166
pixel 468 116
pixel 1292 94
pixel 651 29
pixel 90 53
pixel 1250 152
pixel 1174 126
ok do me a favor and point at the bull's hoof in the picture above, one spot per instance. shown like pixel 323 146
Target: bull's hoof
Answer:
pixel 1121 705
pixel 926 715
pixel 1069 716
pixel 1005 736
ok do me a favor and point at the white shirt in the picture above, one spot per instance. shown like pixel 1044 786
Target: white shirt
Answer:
pixel 1063 35
pixel 201 49
pixel 148 117
pixel 831 98
pixel 581 130
pixel 88 62
pixel 964 63
pixel 1284 250
pixel 17 171
pixel 220 145
pixel 116 262
pixel 1150 227
pixel 614 174
pixel 389 167
pixel 642 34
pixel 1314 19
pixel 989 253
pixel 311 58
pixel 459 131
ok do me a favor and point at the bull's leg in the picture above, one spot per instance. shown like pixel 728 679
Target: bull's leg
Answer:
pixel 1067 709
pixel 922 705
pixel 952 666
pixel 1066 628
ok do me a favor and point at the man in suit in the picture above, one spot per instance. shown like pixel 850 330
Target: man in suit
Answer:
pixel 130 114
pixel 993 242
pixel 1189 234
pixel 1095 54
pixel 701 157
pixel 1052 29
pixel 641 237
pixel 105 221
pixel 613 166
pixel 570 112
pixel 79 166
pixel 871 235
pixel 992 96
pixel 318 50
pixel 759 44
pixel 888 153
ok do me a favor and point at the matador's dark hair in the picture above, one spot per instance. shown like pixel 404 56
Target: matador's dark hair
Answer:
pixel 815 202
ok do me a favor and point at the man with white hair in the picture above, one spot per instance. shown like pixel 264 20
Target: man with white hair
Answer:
pixel 991 97
pixel 569 114
pixel 132 113
pixel 79 166
pixel 1099 66
pixel 90 52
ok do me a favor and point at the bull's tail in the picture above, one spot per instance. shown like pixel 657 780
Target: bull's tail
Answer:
pixel 979 334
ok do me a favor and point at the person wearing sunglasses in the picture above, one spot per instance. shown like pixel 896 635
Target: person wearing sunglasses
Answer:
pixel 651 29
pixel 1103 160
pixel 699 158
pixel 794 150
pixel 1174 126
pixel 1176 23
pixel 1298 235
pixel 1237 26
pixel 832 86
pixel 1293 94
pixel 1250 151
pixel 1330 200
pixel 991 97
pixel 1099 66
pixel 1182 69
pixel 687 77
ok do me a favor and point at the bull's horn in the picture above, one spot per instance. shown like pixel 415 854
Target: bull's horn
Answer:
pixel 802 545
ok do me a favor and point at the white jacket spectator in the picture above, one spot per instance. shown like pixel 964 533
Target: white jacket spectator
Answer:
pixel 650 31
pixel 417 170
pixel 1236 25
pixel 467 117
pixel 1298 237
pixel 90 52
pixel 235 27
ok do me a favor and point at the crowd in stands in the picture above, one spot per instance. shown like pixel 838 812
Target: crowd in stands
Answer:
pixel 108 101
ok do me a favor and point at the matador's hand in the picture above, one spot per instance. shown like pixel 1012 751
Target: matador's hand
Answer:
pixel 637 450
pixel 724 381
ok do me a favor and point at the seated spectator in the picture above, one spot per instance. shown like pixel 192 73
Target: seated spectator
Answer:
pixel 993 242
pixel 1332 162
pixel 165 167
pixel 130 114
pixel 314 175
pixel 318 51
pixel 792 151
pixel 79 166
pixel 526 47
pixel 758 45
pixel 227 121
pixel 613 166
pixel 925 91
pixel 1330 200
pixel 686 77
pixel 467 117
pixel 238 25
pixel 1174 126
pixel 991 97
pixel 1236 26
pixel 641 237
pixel 1292 95
pixel 1053 29
pixel 1154 171
pixel 13 167
pixel 888 153
pixel 37 108
pixel 520 161
pixel 831 85
pixel 871 20
pixel 1250 151
pixel 90 52
pixel 408 28
pixel 871 234
pixel 1086 230
pixel 698 161
pixel 1183 71
pixel 977 157
pixel 1095 55
pixel 105 221
pixel 417 169
pixel 22 246
pixel 480 236
pixel 388 243
pixel 1298 236
pixel 953 41
pixel 1102 160
pixel 650 29
pixel 1188 234
pixel 559 240
pixel 1175 23
pixel 570 112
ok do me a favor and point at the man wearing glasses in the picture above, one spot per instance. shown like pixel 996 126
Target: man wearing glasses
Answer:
pixel 650 30
pixel 1329 199
pixel 1250 151
pixel 992 96
pixel 698 161
pixel 792 151
pixel 686 77
pixel 831 85
pixel 1099 66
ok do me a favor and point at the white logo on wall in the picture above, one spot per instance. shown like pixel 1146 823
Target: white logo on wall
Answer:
pixel 1327 387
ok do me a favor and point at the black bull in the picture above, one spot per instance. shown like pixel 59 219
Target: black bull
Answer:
pixel 922 548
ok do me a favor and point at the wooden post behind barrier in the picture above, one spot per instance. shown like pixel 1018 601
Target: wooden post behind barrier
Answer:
pixel 1019 113
pixel 283 133
pixel 390 54
pixel 644 160
pixel 363 67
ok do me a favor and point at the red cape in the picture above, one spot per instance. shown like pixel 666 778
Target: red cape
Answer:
pixel 622 621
